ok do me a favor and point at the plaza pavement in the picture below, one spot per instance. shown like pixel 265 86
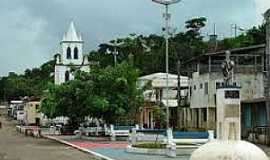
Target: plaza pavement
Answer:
pixel 116 150
pixel 108 150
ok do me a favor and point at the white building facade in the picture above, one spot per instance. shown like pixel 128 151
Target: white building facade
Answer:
pixel 71 56
pixel 156 96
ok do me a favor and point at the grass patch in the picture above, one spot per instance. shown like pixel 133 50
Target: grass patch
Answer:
pixel 150 145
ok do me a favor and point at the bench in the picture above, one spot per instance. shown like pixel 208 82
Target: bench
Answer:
pixel 120 131
pixel 149 135
pixel 190 137
pixel 168 136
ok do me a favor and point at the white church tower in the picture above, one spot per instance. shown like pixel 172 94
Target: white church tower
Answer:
pixel 71 55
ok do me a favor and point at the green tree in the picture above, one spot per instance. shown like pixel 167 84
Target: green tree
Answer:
pixel 107 93
pixel 115 89
pixel 69 100
pixel 160 117
pixel 183 45
pixel 253 36
pixel 31 83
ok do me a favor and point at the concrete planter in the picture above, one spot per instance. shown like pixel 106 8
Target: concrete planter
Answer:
pixel 151 151
pixel 180 150
pixel 185 149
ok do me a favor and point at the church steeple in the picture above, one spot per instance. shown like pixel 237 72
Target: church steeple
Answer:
pixel 72 46
pixel 72 35
pixel 71 55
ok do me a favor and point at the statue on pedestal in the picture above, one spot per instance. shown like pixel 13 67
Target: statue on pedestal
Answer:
pixel 227 69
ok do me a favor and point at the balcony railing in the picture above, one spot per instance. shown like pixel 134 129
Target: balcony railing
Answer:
pixel 237 69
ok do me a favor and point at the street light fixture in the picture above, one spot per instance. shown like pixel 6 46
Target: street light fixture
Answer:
pixel 115 44
pixel 236 28
pixel 144 45
pixel 167 17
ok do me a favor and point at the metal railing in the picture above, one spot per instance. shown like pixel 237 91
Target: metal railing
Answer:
pixel 237 69
pixel 261 134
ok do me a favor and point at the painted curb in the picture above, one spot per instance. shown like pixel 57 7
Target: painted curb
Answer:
pixel 96 155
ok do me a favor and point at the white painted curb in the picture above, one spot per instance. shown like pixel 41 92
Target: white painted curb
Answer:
pixel 95 154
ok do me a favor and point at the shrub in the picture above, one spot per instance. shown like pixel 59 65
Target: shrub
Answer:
pixel 150 145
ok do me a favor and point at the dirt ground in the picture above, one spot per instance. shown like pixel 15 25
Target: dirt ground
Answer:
pixel 14 146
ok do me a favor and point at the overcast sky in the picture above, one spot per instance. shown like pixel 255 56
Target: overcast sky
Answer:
pixel 30 30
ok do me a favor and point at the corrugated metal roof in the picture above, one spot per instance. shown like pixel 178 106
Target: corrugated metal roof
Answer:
pixel 159 80
pixel 160 76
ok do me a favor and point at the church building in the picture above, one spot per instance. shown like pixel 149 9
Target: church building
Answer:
pixel 71 56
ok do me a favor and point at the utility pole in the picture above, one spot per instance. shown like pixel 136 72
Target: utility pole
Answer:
pixel 213 40
pixel 267 85
pixel 179 98
pixel 234 29
pixel 179 83
pixel 115 44
pixel 167 17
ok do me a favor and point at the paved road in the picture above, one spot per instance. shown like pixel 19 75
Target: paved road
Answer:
pixel 14 146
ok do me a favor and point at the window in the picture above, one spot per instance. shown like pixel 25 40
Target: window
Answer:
pixel 37 106
pixel 204 113
pixel 76 53
pixel 218 85
pixel 68 53
pixel 215 98
pixel 194 87
pixel 206 88
pixel 201 86
pixel 67 76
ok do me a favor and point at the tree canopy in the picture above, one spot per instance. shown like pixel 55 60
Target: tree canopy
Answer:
pixel 182 46
pixel 107 93
pixel 253 36
pixel 31 83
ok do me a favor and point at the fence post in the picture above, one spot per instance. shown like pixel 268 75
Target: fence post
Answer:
pixel 171 146
pixel 112 133
pixel 105 129
pixel 133 136
pixel 210 135
pixel 137 126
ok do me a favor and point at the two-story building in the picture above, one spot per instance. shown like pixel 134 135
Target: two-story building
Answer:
pixel 250 73
pixel 32 114
pixel 206 77
pixel 155 96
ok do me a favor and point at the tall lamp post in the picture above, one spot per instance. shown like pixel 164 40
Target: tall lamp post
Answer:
pixel 115 44
pixel 167 17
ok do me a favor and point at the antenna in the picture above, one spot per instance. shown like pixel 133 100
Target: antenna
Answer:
pixel 213 39
pixel 214 28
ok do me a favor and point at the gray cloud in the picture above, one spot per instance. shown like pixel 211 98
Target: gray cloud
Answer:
pixel 30 30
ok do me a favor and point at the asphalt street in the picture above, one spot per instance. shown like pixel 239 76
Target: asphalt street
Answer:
pixel 14 146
